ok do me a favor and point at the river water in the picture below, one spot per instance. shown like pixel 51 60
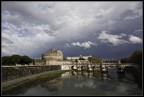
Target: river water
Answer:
pixel 84 83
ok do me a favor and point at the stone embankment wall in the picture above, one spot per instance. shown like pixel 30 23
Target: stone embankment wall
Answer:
pixel 10 73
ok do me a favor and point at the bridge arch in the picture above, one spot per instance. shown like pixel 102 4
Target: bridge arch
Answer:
pixel 72 67
pixel 83 67
pixel 131 69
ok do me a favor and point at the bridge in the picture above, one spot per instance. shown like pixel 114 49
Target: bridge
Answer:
pixel 123 66
pixel 87 66
pixel 17 71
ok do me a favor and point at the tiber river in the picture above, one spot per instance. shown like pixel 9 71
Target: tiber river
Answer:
pixel 83 83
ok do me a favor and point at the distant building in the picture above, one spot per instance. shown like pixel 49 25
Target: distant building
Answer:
pixel 55 57
pixel 53 54
pixel 77 58
pixel 109 61
pixel 51 57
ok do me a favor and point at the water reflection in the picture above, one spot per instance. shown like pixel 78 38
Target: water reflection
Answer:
pixel 53 85
pixel 86 83
pixel 98 74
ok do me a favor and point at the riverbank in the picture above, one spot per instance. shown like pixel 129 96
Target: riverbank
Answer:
pixel 9 85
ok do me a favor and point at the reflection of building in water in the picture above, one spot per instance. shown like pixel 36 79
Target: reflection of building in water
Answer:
pixel 81 74
pixel 73 72
pixel 66 75
pixel 121 77
pixel 84 73
pixel 105 76
pixel 90 74
pixel 97 74
pixel 53 85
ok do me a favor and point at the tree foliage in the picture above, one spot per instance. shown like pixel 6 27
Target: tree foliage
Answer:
pixel 95 60
pixel 15 59
pixel 136 58
pixel 125 60
pixel 25 60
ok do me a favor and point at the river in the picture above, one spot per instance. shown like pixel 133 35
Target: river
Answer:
pixel 83 83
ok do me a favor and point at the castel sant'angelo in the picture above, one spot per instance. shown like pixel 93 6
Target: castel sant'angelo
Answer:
pixel 55 57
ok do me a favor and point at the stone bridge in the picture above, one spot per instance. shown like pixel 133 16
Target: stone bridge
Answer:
pixel 123 66
pixel 103 67
pixel 13 72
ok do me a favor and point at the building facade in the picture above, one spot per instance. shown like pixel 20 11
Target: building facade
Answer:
pixel 55 57
pixel 53 54
pixel 52 57
pixel 77 58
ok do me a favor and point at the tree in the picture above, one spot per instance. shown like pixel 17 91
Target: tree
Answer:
pixel 15 59
pixel 125 60
pixel 25 60
pixel 136 57
pixel 95 59
pixel 5 60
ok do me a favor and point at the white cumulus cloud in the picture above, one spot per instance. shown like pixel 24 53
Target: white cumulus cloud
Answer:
pixel 115 40
pixel 134 39
pixel 87 44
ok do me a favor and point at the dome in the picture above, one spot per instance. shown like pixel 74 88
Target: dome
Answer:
pixel 53 54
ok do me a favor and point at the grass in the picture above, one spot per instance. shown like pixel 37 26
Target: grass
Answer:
pixel 48 75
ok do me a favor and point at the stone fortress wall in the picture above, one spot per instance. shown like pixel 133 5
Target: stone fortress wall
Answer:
pixel 55 57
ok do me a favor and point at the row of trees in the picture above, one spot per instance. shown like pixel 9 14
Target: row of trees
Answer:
pixel 16 59
pixel 136 58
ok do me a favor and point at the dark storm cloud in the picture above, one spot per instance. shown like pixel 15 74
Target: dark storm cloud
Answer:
pixel 74 27
pixel 6 40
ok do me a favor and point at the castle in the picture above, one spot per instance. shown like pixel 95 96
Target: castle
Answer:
pixel 55 57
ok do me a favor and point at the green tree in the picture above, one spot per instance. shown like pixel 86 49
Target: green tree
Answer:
pixel 136 57
pixel 5 60
pixel 125 60
pixel 95 60
pixel 25 60
pixel 15 59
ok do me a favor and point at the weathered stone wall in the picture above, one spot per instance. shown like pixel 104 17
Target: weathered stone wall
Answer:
pixel 9 73
pixel 39 62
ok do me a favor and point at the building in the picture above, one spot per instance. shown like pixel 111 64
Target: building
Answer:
pixel 53 54
pixel 52 57
pixel 55 57
pixel 77 58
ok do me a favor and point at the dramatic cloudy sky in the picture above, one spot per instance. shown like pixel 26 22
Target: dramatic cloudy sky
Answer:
pixel 104 29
